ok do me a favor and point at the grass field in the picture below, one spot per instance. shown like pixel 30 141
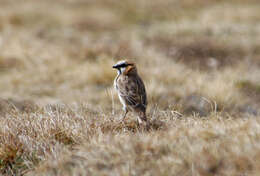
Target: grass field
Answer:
pixel 199 59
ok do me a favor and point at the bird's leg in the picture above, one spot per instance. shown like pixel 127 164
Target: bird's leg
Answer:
pixel 125 112
pixel 141 117
pixel 139 120
pixel 142 120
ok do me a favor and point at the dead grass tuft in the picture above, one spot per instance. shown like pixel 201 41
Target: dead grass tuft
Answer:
pixel 63 137
pixel 195 104
pixel 7 106
pixel 13 157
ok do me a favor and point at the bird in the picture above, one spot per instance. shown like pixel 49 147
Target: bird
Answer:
pixel 131 90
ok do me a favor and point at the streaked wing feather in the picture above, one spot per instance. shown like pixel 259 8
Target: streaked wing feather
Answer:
pixel 133 91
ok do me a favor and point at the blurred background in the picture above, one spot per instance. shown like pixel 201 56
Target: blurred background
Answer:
pixel 200 62
pixel 195 56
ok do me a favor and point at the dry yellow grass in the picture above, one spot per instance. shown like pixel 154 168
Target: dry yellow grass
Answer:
pixel 200 61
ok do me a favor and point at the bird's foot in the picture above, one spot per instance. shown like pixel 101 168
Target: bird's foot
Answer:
pixel 143 125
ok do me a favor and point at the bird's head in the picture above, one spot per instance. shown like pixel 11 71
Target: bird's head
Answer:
pixel 125 67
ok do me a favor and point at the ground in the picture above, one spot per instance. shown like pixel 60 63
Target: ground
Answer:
pixel 200 62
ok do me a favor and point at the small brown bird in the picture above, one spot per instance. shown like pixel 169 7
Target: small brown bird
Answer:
pixel 131 90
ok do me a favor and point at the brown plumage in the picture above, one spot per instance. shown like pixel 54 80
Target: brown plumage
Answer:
pixel 130 89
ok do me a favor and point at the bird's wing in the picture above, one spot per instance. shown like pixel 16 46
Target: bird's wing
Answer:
pixel 133 92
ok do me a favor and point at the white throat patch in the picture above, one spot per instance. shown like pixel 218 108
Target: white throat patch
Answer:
pixel 123 69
